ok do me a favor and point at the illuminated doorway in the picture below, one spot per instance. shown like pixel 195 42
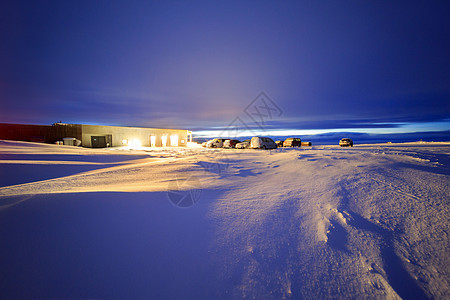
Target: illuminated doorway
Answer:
pixel 152 141
pixel 174 140
pixel 164 140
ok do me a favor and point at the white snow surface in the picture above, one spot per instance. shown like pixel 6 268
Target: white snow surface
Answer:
pixel 317 222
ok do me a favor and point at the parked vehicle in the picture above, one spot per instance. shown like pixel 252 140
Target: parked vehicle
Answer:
pixel 262 143
pixel 279 144
pixel 346 142
pixel 308 144
pixel 215 143
pixel 244 145
pixel 230 143
pixel 292 142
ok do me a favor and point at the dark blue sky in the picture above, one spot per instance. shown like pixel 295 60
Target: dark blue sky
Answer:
pixel 361 65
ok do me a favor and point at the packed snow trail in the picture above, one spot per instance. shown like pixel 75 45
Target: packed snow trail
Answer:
pixel 321 222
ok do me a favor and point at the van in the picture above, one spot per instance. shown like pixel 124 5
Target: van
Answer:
pixel 262 143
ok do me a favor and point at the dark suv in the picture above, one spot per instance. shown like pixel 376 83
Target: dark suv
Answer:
pixel 346 142
pixel 292 142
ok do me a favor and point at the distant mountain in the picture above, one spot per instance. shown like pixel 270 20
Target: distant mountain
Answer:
pixel 332 138
pixel 362 138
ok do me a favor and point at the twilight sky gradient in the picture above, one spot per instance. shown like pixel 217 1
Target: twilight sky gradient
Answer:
pixel 367 66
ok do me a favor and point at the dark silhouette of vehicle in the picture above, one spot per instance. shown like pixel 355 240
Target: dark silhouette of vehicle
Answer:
pixel 292 142
pixel 346 142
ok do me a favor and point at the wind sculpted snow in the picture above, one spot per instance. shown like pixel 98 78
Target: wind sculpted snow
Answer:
pixel 319 222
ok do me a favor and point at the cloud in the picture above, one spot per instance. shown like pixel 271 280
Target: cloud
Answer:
pixel 326 66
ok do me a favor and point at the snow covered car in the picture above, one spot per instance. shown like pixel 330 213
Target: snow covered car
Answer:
pixel 215 143
pixel 346 142
pixel 258 142
pixel 204 144
pixel 292 142
pixel 230 143
pixel 244 145
pixel 279 144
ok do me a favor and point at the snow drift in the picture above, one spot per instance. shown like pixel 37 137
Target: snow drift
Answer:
pixel 317 222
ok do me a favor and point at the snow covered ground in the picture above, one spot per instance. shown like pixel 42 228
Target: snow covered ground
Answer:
pixel 370 221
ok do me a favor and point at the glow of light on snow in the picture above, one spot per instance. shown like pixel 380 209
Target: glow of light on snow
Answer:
pixel 134 143
pixel 193 145
pixel 341 204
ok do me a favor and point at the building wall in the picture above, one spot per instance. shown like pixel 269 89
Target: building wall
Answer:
pixel 39 133
pixel 62 130
pixel 58 131
pixel 25 132
pixel 119 134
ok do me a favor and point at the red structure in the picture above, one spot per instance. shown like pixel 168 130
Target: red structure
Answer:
pixel 39 133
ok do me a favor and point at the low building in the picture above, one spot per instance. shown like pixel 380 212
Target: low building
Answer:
pixel 97 136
